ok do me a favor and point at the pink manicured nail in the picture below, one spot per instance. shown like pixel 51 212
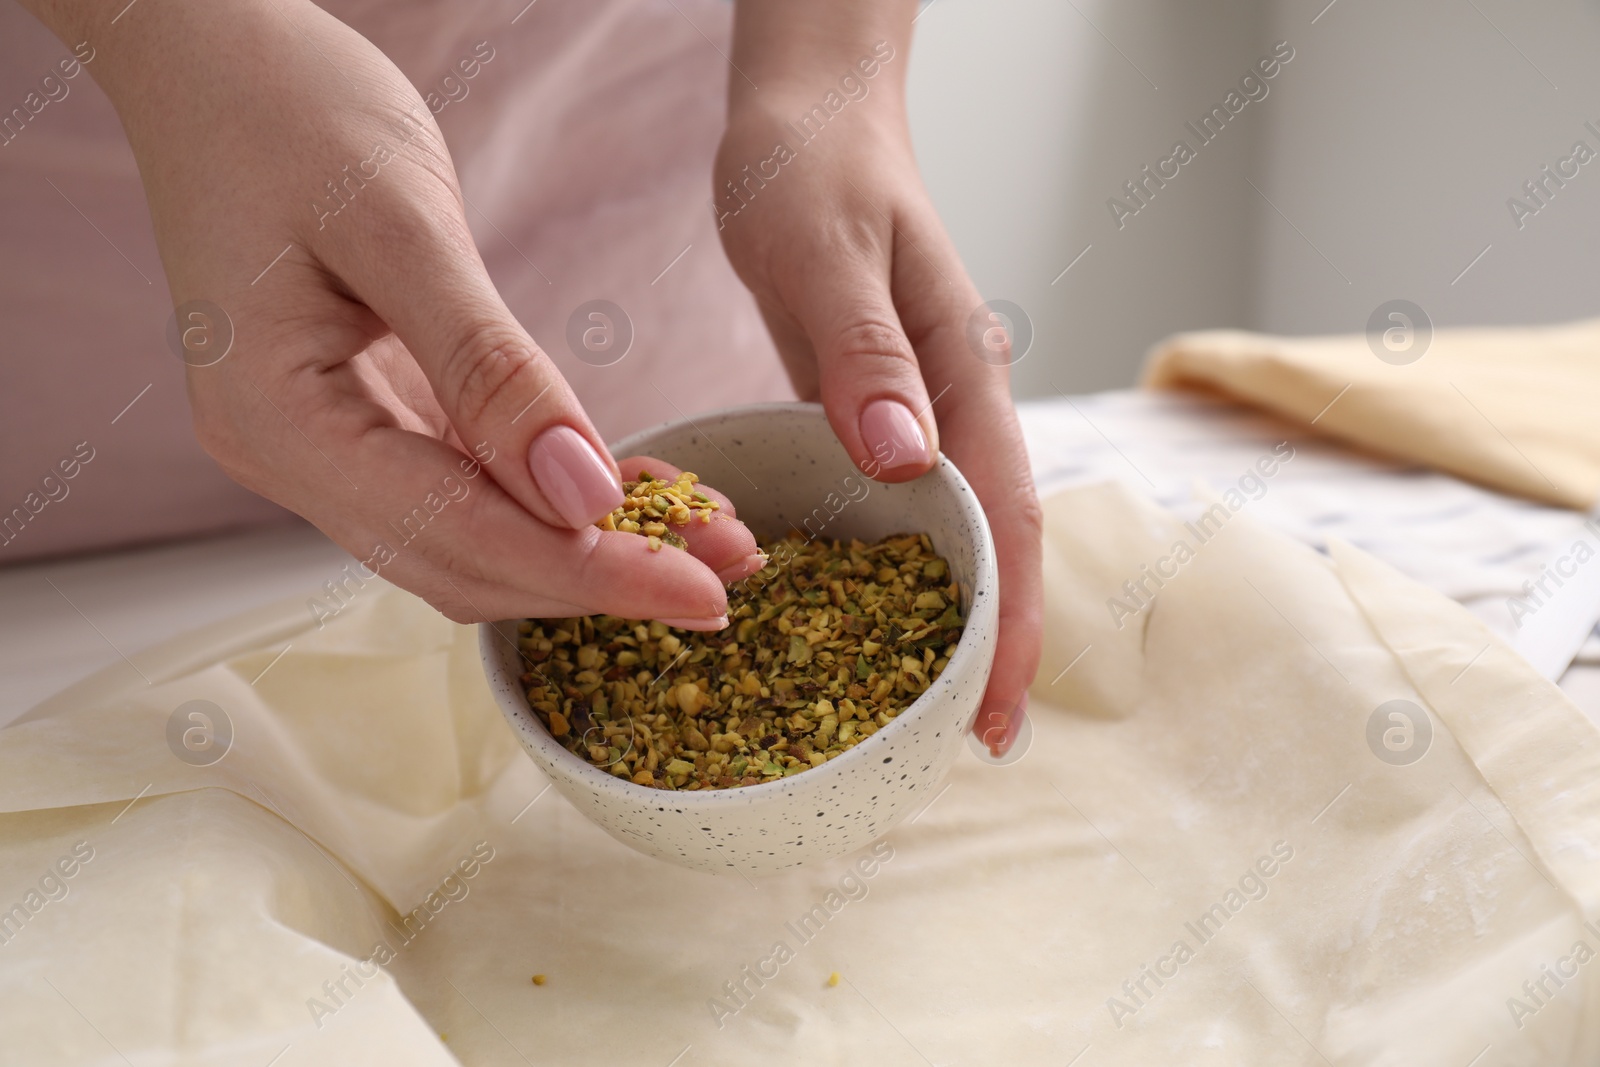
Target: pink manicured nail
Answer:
pixel 718 623
pixel 1013 727
pixel 573 477
pixel 743 569
pixel 893 436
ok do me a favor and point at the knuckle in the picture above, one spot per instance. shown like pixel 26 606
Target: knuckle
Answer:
pixel 437 586
pixel 219 430
pixel 486 371
pixel 874 340
pixel 1030 514
pixel 1018 502
pixel 215 434
pixel 456 610
pixel 426 206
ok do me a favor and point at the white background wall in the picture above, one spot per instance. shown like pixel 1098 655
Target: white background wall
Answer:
pixel 1389 145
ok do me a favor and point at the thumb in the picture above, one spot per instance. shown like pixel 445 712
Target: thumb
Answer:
pixel 506 400
pixel 870 384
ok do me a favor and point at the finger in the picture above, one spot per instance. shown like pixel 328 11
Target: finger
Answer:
pixel 870 384
pixel 1014 521
pixel 1016 660
pixel 420 272
pixel 724 544
pixel 983 439
pixel 446 532
pixel 429 518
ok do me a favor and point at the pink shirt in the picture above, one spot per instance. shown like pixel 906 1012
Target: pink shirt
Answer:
pixel 583 138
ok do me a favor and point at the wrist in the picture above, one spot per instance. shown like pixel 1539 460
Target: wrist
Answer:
pixel 132 49
pixel 820 86
pixel 787 53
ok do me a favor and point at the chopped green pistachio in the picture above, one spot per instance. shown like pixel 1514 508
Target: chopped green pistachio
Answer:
pixel 829 647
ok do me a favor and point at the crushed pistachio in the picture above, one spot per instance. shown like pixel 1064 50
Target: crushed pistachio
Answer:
pixel 826 650
pixel 650 504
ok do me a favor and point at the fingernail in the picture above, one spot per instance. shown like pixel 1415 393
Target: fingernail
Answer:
pixel 573 476
pixel 718 623
pixel 743 569
pixel 893 436
pixel 1013 727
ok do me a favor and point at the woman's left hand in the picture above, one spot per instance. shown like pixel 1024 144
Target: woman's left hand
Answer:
pixel 868 302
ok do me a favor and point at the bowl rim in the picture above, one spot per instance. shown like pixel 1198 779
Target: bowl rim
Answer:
pixel 514 705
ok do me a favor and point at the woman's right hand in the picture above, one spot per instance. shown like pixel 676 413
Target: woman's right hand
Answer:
pixel 298 182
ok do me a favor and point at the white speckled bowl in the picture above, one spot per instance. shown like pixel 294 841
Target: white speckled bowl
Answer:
pixel 783 467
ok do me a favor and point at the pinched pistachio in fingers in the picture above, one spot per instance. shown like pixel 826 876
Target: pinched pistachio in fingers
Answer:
pixel 651 504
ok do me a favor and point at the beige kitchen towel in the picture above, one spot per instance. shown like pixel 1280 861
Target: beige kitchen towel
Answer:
pixel 1226 844
pixel 1513 409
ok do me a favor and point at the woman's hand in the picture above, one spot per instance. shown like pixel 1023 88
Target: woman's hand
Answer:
pixel 825 218
pixel 376 383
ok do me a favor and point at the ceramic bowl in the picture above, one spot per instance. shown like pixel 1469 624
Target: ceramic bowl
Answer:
pixel 783 468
